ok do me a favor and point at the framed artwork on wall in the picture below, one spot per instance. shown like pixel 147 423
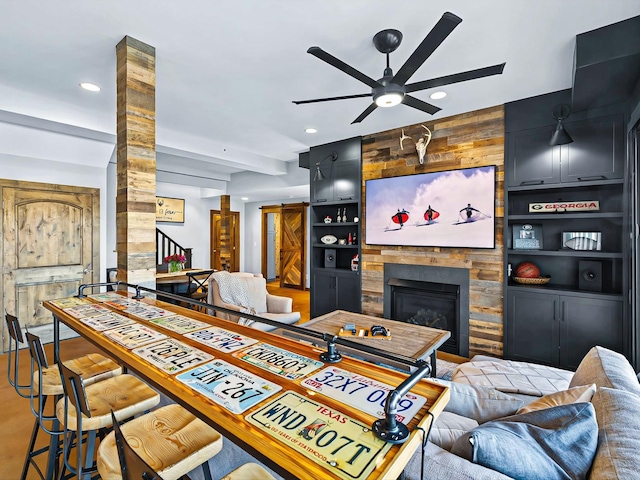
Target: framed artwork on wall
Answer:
pixel 169 210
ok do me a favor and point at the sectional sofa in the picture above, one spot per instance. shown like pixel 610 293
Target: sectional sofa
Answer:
pixel 520 420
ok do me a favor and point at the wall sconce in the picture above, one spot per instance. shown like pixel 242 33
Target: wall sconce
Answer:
pixel 319 175
pixel 560 136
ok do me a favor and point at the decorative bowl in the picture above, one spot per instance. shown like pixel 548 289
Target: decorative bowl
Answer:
pixel 329 239
pixel 532 281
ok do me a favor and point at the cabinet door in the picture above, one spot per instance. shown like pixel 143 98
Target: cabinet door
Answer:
pixel 323 294
pixel 597 151
pixel 532 327
pixel 531 160
pixel 586 322
pixel 348 293
pixel 347 180
pixel 322 190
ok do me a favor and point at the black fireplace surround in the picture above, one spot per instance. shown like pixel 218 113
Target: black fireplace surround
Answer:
pixel 430 296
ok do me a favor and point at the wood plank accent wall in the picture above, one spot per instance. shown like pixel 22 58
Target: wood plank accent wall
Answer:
pixel 461 141
pixel 226 238
pixel 136 166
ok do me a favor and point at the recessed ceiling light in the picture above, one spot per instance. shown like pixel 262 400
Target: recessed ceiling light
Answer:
pixel 311 130
pixel 438 95
pixel 92 87
pixel 244 198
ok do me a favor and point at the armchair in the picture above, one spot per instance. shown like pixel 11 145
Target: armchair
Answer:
pixel 247 293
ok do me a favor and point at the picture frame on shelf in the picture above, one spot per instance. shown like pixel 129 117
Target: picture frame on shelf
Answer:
pixel 527 237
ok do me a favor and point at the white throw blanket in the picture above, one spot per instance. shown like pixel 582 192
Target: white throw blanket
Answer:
pixel 233 290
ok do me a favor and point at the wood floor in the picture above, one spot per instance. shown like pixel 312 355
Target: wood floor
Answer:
pixel 17 419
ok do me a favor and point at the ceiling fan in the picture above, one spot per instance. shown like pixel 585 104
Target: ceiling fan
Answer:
pixel 390 90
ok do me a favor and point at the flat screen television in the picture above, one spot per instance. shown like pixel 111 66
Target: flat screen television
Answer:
pixel 453 208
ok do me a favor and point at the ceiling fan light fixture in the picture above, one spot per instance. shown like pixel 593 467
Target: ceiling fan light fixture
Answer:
pixel 390 99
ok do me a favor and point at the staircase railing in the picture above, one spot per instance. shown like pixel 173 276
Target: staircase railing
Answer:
pixel 165 246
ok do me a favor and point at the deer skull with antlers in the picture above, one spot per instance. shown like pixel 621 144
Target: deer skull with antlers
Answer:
pixel 421 144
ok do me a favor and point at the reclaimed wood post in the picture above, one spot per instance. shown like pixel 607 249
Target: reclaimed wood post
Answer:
pixel 136 164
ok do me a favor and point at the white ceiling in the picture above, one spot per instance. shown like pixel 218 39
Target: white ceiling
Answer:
pixel 227 72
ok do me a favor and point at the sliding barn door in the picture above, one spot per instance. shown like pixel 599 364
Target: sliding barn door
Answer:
pixel 293 222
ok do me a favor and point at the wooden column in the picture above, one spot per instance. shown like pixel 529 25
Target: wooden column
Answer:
pixel 225 232
pixel 136 168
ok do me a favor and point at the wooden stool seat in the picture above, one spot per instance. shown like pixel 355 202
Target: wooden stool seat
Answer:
pixel 92 367
pixel 125 394
pixel 249 471
pixel 170 439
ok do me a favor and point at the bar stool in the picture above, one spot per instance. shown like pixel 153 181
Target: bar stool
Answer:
pixel 85 409
pixel 166 443
pixel 249 471
pixel 13 357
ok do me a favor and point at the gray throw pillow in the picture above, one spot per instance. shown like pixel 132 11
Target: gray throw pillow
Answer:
pixel 606 368
pixel 479 402
pixel 553 443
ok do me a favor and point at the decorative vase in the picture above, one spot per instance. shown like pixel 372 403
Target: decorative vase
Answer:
pixel 175 267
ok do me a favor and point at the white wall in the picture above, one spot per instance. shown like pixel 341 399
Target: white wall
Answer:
pixel 46 171
pixel 253 234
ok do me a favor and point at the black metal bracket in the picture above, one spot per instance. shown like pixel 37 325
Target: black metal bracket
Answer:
pixel 331 355
pixel 389 428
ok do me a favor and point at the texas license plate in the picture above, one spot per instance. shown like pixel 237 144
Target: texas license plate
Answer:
pixel 220 339
pixel 281 362
pixel 172 355
pixel 231 387
pixel 134 335
pixel 362 393
pixel 106 321
pixel 337 442
pixel 179 324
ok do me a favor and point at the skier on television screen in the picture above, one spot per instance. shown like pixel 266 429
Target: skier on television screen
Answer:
pixel 430 213
pixel 469 210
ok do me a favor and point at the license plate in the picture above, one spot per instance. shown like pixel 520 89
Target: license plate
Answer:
pixel 69 302
pixel 134 335
pixel 220 339
pixel 179 324
pixel 172 355
pixel 361 392
pixel 88 310
pixel 105 297
pixel 339 443
pixel 122 303
pixel 281 362
pixel 106 321
pixel 148 312
pixel 231 387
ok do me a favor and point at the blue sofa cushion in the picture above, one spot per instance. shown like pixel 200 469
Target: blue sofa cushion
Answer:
pixel 553 443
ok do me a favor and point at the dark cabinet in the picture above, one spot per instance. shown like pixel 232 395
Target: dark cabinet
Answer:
pixel 597 153
pixel 557 329
pixel 335 227
pixel 334 291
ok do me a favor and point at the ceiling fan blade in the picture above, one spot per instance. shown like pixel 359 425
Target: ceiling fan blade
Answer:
pixel 434 38
pixel 340 65
pixel 346 97
pixel 455 78
pixel 420 105
pixel 366 113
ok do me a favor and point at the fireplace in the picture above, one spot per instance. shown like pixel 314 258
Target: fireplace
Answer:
pixel 436 297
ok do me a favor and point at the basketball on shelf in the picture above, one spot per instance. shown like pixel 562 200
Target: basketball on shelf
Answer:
pixel 527 270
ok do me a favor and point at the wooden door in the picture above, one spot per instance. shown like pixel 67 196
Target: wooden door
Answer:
pixel 225 241
pixel 293 229
pixel 267 249
pixel 51 245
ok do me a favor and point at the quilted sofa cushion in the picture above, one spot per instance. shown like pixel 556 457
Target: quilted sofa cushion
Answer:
pixel 618 414
pixel 606 368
